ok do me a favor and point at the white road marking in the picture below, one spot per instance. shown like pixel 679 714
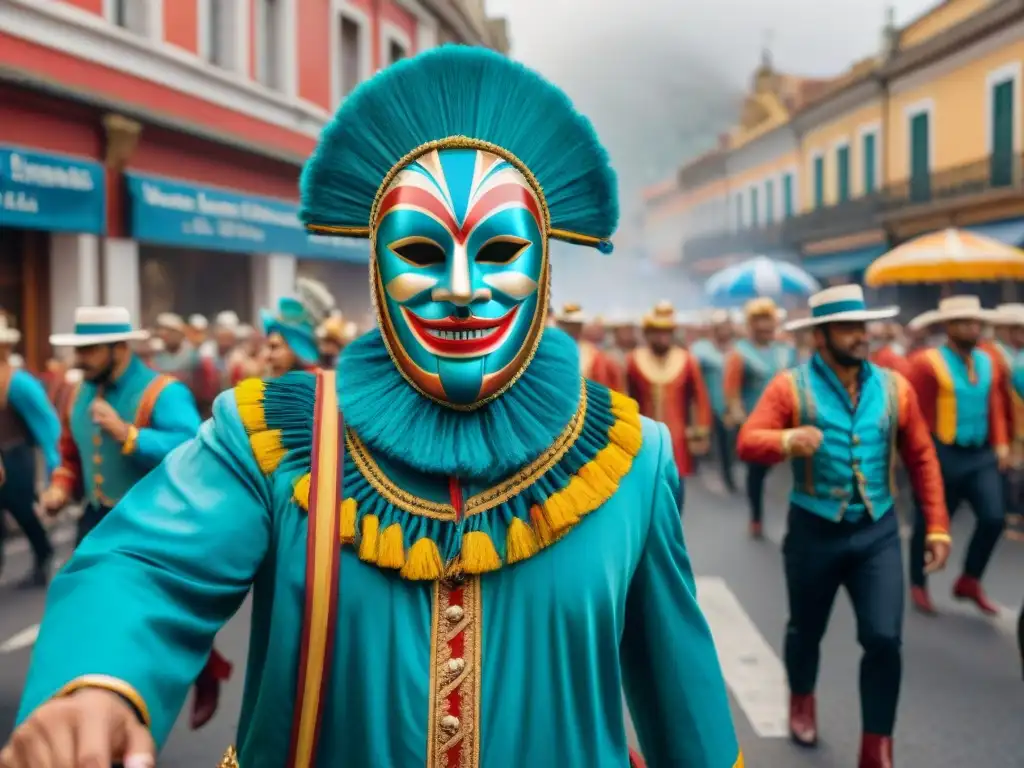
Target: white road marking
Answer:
pixel 24 639
pixel 752 670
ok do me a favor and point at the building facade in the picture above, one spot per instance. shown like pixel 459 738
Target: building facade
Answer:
pixel 150 149
pixel 925 134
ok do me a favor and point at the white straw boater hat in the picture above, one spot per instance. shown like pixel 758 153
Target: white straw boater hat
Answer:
pixel 572 313
pixel 840 304
pixel 99 325
pixel 1009 314
pixel 8 336
pixel 955 308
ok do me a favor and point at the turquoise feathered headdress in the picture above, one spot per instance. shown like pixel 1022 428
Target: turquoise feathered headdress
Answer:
pixel 461 97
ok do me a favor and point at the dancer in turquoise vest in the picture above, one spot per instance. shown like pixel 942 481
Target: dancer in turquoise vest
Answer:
pixel 711 353
pixel 840 420
pixel 964 392
pixel 503 555
pixel 748 368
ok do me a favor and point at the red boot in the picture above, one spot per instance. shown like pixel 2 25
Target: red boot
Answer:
pixel 207 689
pixel 875 751
pixel 803 721
pixel 968 588
pixel 922 601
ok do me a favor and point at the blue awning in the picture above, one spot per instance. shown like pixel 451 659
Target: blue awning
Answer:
pixel 1009 231
pixel 842 262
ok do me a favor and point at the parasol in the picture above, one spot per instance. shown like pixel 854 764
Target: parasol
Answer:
pixel 759 277
pixel 947 256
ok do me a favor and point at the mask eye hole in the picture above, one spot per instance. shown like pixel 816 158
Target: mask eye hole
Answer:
pixel 419 251
pixel 503 249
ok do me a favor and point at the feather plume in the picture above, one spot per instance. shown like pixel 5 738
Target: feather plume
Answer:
pixel 460 91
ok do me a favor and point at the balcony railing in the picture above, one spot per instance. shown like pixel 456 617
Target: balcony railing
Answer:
pixel 991 175
pixel 846 218
pixel 746 241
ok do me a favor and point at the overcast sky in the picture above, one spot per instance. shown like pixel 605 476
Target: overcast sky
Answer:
pixel 660 78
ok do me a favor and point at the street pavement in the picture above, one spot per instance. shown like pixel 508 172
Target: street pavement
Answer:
pixel 963 697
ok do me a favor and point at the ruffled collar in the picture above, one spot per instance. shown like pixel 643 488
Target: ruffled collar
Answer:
pixel 394 420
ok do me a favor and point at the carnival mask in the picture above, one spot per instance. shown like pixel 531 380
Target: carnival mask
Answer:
pixel 460 276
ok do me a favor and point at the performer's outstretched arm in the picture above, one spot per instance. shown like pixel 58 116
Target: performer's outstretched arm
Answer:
pixel 762 438
pixel 918 453
pixel 174 420
pixel 136 608
pixel 673 681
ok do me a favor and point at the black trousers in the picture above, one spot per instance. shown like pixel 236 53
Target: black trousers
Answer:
pixel 756 475
pixel 821 556
pixel 18 496
pixel 92 515
pixel 971 475
pixel 725 446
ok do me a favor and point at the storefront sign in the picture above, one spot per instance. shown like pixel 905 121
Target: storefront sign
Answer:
pixel 178 214
pixel 51 192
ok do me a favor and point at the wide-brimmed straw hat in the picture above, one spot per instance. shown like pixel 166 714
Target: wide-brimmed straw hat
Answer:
pixel 99 325
pixel 840 304
pixel 663 317
pixel 954 308
pixel 572 314
pixel 9 336
pixel 761 307
pixel 170 321
pixel 1008 314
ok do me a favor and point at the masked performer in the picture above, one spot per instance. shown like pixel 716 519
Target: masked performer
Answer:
pixel 27 421
pixel 962 396
pixel 842 529
pixel 749 367
pixel 510 554
pixel 666 381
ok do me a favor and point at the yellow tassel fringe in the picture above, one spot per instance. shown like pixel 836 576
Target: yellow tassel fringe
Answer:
pixel 424 562
pixel 249 398
pixel 591 487
pixel 478 553
pixel 520 542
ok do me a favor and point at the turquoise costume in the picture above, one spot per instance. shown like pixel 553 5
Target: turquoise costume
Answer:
pixel 712 367
pixel 760 364
pixel 504 553
pixel 27 397
pixel 862 438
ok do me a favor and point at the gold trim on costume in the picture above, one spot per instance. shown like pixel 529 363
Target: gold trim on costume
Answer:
pixel 447 729
pixel 230 759
pixel 663 370
pixel 480 502
pixel 112 684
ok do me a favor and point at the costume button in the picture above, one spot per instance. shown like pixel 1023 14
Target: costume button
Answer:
pixel 97 440
pixel 450 723
pixel 456 665
pixel 98 479
pixel 97 459
pixel 454 613
pixel 856 440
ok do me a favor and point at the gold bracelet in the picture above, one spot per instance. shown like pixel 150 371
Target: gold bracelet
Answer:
pixel 787 439
pixel 114 685
pixel 939 536
pixel 128 447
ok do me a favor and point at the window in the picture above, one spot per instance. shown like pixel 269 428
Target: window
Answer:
pixel 268 53
pixel 869 156
pixel 132 15
pixel 351 55
pixel 769 201
pixel 787 195
pixel 842 173
pixel 396 51
pixel 755 214
pixel 920 156
pixel 819 181
pixel 219 45
pixel 1001 158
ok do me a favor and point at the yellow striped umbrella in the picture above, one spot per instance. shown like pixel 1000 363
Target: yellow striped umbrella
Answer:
pixel 947 256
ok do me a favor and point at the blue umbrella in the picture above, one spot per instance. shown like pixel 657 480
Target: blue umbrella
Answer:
pixel 758 277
